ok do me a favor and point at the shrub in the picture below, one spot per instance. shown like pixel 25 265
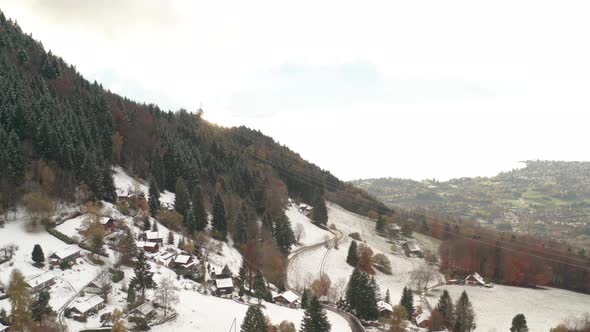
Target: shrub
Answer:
pixel 382 263
pixel 355 236
pixel 118 275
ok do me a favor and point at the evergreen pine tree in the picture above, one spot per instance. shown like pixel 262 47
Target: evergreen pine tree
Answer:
pixel 219 217
pixel 155 226
pixel 407 301
pixel 464 315
pixel 41 307
pixel 190 222
pixel 170 238
pixel 283 234
pixel 352 257
pixel 445 307
pixel 254 321
pixel 38 255
pixel 146 224
pixel 181 199
pixel 315 318
pixel 20 303
pixel 519 324
pixel 380 224
pixel 304 299
pixel 199 211
pixel 319 214
pixel 143 278
pixel 240 234
pixel 260 290
pixel 154 198
pixel 267 222
pixel 387 297
pixel 131 294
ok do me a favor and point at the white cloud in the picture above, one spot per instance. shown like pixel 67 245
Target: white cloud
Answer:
pixel 417 89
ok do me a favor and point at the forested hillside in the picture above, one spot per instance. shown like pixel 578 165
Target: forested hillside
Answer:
pixel 547 198
pixel 63 134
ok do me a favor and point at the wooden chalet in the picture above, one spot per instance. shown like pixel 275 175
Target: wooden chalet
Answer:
pixel 385 309
pixel 156 237
pixel 184 262
pixel 67 254
pixel 109 224
pixel 146 311
pixel 411 249
pixel 224 286
pixel 287 298
pixel 152 247
pixel 40 282
pixel 87 306
pixel 422 319
pixel 475 279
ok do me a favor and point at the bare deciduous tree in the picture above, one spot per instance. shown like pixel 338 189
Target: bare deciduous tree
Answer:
pixel 299 232
pixel 167 294
pixel 422 276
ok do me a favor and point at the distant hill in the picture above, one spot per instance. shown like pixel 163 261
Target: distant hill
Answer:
pixel 550 198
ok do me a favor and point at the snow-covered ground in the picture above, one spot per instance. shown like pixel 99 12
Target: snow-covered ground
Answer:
pixel 126 184
pixel 311 233
pixel 495 307
pixel 67 283
pixel 307 268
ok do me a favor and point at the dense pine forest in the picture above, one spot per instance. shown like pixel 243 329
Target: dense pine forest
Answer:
pixel 63 134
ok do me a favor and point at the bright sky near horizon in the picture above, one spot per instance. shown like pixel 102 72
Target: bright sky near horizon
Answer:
pixel 415 89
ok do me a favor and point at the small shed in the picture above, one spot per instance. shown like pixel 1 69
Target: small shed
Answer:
pixel 422 319
pixel 87 306
pixel 67 254
pixel 146 310
pixel 288 298
pixel 385 309
pixel 152 247
pixel 411 248
pixel 224 286
pixel 3 328
pixel 109 224
pixel 41 282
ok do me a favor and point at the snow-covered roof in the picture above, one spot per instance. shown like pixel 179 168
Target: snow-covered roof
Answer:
pixel 289 296
pixel 87 304
pixel 40 279
pixel 146 244
pixel 422 317
pixel 145 308
pixel 104 220
pixel 412 246
pixel 66 252
pixel 182 259
pixel 153 235
pixel 382 305
pixel 3 327
pixel 477 277
pixel 224 283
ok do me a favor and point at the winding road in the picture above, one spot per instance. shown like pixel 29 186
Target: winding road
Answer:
pixel 353 322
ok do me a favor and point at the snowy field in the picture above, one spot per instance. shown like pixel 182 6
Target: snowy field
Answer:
pixel 495 307
pixel 307 267
pixel 311 233
pixel 67 282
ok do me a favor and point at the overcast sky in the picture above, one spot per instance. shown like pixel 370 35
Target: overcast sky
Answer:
pixel 418 89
